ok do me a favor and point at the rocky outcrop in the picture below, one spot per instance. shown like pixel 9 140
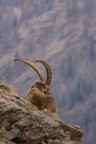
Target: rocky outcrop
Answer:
pixel 23 123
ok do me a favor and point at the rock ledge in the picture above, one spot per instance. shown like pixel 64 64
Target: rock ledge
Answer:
pixel 23 123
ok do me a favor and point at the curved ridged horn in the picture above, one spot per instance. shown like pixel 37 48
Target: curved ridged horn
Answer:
pixel 48 70
pixel 34 66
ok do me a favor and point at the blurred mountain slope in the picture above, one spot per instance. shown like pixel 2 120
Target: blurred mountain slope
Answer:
pixel 63 32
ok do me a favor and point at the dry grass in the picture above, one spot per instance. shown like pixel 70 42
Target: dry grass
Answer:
pixel 7 89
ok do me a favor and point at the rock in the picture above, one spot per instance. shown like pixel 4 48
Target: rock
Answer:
pixel 23 123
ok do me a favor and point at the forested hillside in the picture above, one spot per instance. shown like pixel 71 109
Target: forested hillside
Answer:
pixel 63 32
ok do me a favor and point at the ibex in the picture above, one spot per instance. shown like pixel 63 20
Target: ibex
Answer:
pixel 38 94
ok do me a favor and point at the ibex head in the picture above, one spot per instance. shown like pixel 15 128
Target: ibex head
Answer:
pixel 43 83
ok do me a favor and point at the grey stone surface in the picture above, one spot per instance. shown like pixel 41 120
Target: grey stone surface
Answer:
pixel 22 123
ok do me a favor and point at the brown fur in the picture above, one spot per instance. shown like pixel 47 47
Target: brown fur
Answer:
pixel 38 98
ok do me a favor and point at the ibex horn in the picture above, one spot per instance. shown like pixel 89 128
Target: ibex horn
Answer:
pixel 48 70
pixel 34 66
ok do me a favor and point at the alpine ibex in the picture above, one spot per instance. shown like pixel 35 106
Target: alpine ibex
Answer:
pixel 38 94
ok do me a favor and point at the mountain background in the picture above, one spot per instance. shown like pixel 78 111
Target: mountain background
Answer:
pixel 63 32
